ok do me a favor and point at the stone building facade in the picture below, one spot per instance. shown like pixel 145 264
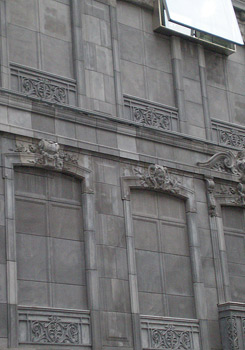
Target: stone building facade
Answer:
pixel 122 195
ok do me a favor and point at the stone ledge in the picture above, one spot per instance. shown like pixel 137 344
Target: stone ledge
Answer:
pixel 143 3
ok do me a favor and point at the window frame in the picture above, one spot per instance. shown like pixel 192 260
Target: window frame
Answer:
pixel 159 27
pixel 24 158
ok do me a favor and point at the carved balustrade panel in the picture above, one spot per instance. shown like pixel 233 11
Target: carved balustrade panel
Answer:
pixel 54 327
pixel 151 114
pixel 167 333
pixel 43 86
pixel 232 325
pixel 228 135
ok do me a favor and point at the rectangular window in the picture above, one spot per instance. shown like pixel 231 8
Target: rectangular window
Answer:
pixel 162 255
pixel 50 243
pixel 234 224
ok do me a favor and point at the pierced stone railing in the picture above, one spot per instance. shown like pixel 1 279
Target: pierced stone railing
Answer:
pixel 41 85
pixel 168 333
pixel 147 113
pixel 232 325
pixel 54 327
pixel 226 134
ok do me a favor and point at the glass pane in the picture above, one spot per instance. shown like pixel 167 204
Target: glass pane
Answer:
pixel 216 17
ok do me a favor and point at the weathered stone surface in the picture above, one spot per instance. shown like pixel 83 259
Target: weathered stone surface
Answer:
pixel 104 215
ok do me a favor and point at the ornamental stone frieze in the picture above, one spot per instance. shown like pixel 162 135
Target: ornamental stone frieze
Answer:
pixel 232 325
pixel 42 86
pixel 235 192
pixel 227 162
pixel 164 333
pixel 226 193
pixel 47 153
pixel 232 193
pixel 158 177
pixel 149 114
pixel 46 326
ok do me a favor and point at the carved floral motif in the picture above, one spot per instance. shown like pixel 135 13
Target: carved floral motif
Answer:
pixel 150 117
pixel 158 177
pixel 48 153
pixel 43 89
pixel 54 331
pixel 170 339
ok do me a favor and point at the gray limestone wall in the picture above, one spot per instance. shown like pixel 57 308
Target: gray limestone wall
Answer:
pixel 110 97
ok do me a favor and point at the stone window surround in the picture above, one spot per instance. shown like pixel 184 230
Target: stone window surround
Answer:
pixel 230 313
pixel 216 200
pixel 186 193
pixel 24 158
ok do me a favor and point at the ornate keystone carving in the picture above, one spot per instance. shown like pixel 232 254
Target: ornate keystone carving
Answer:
pixel 227 162
pixel 48 153
pixel 169 338
pixel 158 177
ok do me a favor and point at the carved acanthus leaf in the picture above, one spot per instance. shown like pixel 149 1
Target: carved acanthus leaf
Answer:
pixel 48 153
pixel 158 177
pixel 227 162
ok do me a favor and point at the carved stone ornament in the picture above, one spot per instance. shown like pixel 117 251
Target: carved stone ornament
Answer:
pixel 232 333
pixel 158 177
pixel 236 193
pixel 54 331
pixel 210 196
pixel 170 339
pixel 150 117
pixel 43 89
pixel 227 162
pixel 232 138
pixel 47 153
